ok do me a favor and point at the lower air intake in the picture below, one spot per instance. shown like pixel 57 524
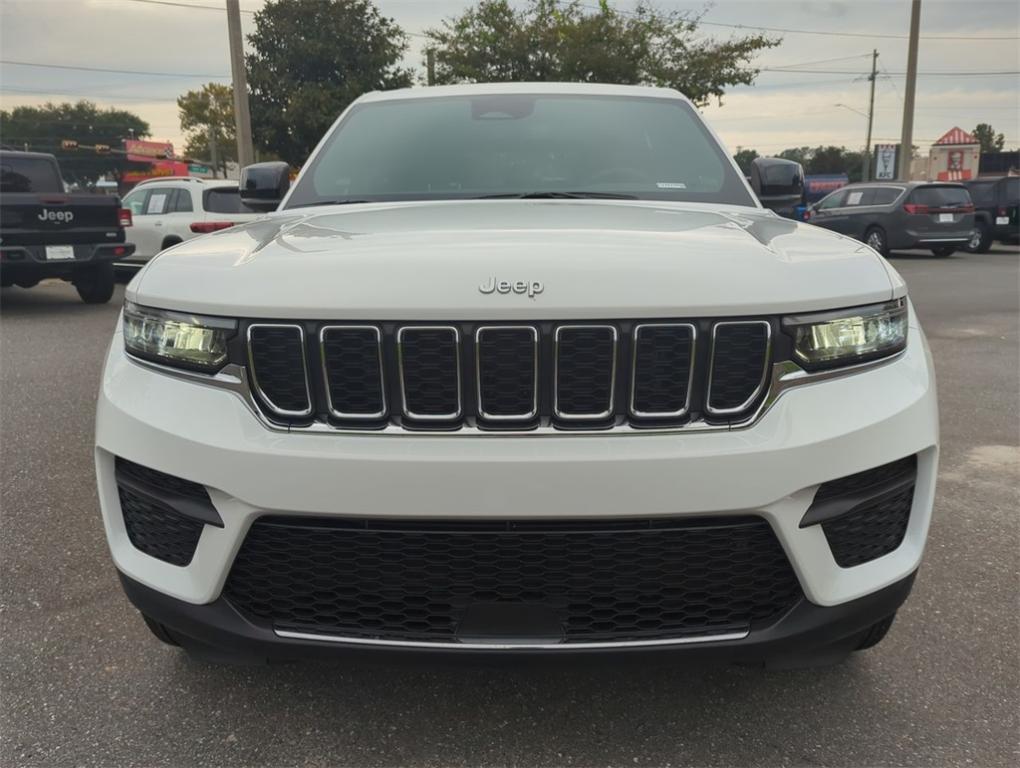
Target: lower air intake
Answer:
pixel 611 581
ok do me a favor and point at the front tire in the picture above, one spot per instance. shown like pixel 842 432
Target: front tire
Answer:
pixel 875 238
pixel 95 285
pixel 943 251
pixel 981 240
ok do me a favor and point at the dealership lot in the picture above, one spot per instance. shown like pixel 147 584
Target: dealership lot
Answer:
pixel 83 683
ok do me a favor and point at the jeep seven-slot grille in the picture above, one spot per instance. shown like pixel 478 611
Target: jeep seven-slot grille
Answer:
pixel 510 376
pixel 547 581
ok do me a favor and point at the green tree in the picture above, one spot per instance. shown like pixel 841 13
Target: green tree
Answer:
pixel 990 140
pixel 312 58
pixel 42 129
pixel 567 40
pixel 829 160
pixel 209 114
pixel 744 158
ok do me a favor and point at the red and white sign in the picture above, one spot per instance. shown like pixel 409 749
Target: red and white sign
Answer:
pixel 954 157
pixel 147 151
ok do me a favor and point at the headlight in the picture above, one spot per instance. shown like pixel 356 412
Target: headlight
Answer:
pixel 178 339
pixel 849 336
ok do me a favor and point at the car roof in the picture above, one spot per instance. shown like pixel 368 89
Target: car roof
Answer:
pixel 189 179
pixel 530 89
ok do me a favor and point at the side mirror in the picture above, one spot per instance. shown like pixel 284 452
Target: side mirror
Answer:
pixel 264 185
pixel 773 177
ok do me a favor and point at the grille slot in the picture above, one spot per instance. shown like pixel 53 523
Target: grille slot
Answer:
pixel 739 366
pixel 430 372
pixel 663 371
pixel 353 368
pixel 585 376
pixel 276 354
pixel 507 372
pixel 619 580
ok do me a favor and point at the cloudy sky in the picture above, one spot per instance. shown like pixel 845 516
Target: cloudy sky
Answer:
pixel 797 106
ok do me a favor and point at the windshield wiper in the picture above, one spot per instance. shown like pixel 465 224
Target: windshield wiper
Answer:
pixel 558 195
pixel 332 202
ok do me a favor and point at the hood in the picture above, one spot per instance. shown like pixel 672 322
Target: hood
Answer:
pixel 588 260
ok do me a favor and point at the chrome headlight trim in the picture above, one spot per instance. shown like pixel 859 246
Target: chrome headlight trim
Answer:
pixel 845 337
pixel 177 339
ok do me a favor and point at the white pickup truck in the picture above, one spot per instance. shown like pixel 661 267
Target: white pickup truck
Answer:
pixel 517 369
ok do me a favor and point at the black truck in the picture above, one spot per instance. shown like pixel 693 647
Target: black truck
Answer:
pixel 46 232
pixel 996 211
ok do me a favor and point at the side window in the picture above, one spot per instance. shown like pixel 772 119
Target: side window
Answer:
pixel 181 202
pixel 835 200
pixel 158 201
pixel 885 195
pixel 858 197
pixel 135 201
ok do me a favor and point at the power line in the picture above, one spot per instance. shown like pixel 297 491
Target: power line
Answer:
pixel 114 71
pixel 187 5
pixel 828 33
pixel 890 74
pixel 822 61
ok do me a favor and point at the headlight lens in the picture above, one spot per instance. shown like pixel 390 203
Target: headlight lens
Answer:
pixel 850 336
pixel 174 338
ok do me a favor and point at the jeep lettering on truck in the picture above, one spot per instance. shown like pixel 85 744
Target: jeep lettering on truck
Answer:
pixel 312 428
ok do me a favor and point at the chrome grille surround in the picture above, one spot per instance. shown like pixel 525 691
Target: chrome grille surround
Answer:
pixel 277 410
pixel 349 415
pixel 533 412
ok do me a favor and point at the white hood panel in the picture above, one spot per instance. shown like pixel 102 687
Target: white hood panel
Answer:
pixel 594 259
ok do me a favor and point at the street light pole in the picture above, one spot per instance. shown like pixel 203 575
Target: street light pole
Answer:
pixel 242 117
pixel 866 169
pixel 907 137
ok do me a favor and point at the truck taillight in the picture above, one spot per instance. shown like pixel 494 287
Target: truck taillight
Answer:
pixel 124 217
pixel 1001 211
pixel 914 208
pixel 204 227
pixel 969 208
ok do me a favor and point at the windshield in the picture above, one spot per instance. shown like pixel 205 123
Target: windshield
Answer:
pixel 516 145
pixel 941 197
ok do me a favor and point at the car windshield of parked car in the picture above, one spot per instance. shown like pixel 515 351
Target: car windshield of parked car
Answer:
pixel 20 175
pixel 224 200
pixel 521 145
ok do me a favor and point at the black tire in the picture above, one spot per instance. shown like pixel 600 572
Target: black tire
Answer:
pixel 981 240
pixel 876 239
pixel 95 285
pixel 161 632
pixel 873 635
pixel 169 242
pixel 944 251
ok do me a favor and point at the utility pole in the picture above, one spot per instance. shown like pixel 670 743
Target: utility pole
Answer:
pixel 213 150
pixel 866 170
pixel 242 117
pixel 430 58
pixel 907 137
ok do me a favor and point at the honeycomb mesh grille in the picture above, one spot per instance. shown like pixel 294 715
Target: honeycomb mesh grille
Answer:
pixel 430 371
pixel 507 372
pixel 869 478
pixel 870 530
pixel 585 368
pixel 278 362
pixel 352 358
pixel 663 355
pixel 610 581
pixel 739 357
pixel 157 530
pixel 161 482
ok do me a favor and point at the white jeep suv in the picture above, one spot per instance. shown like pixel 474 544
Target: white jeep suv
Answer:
pixel 169 211
pixel 523 369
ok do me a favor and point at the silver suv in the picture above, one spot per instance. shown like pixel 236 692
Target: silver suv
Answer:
pixel 900 215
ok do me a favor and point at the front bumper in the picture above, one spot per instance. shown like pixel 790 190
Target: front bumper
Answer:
pixel 810 435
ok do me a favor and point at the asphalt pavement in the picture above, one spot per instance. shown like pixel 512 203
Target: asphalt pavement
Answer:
pixel 83 683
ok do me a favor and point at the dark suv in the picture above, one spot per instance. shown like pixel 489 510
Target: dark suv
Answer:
pixel 900 215
pixel 996 207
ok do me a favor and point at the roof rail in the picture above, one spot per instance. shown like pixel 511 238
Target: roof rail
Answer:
pixel 169 178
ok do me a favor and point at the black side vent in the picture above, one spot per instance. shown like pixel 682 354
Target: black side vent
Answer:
pixel 740 357
pixel 430 372
pixel 277 357
pixel 585 371
pixel 163 515
pixel 865 515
